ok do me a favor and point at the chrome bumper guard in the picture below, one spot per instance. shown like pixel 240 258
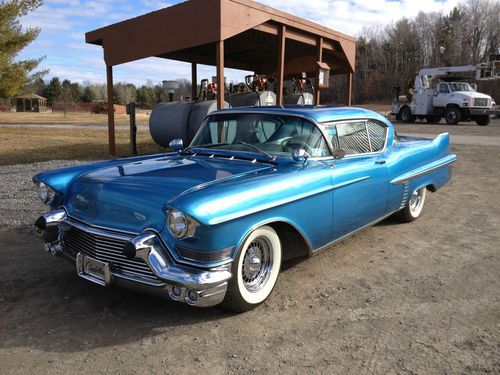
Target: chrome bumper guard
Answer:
pixel 196 287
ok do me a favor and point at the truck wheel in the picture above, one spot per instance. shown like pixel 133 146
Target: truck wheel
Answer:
pixel 255 270
pixel 433 119
pixel 413 207
pixel 452 115
pixel 483 120
pixel 406 115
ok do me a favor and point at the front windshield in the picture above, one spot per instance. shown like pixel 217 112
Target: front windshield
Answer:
pixel 250 132
pixel 460 86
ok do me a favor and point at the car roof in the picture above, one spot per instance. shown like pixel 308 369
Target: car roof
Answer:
pixel 315 113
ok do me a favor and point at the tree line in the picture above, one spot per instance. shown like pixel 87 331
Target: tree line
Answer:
pixel 393 54
pixel 145 96
pixel 386 56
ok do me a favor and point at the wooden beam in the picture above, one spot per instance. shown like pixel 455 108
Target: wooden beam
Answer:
pixel 281 65
pixel 111 111
pixel 349 89
pixel 297 35
pixel 317 92
pixel 269 28
pixel 194 81
pixel 220 74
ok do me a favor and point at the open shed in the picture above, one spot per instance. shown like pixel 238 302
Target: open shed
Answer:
pixel 238 34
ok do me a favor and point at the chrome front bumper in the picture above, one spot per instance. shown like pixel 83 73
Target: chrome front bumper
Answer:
pixel 194 286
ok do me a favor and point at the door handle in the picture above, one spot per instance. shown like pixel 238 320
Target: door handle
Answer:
pixel 380 162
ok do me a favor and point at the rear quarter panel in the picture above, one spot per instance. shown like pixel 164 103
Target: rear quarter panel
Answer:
pixel 416 162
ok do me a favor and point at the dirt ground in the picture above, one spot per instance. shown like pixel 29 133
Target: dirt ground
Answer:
pixel 419 298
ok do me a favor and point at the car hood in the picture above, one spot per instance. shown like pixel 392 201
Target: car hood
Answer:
pixel 133 196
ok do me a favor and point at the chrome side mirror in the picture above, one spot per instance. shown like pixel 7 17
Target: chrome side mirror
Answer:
pixel 300 155
pixel 176 144
pixel 338 154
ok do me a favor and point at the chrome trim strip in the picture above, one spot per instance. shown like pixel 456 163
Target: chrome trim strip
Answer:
pixel 441 163
pixel 98 231
pixel 324 247
pixel 282 202
pixel 350 182
pixel 100 227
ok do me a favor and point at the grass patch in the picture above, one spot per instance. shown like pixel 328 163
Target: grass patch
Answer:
pixel 19 144
pixel 49 118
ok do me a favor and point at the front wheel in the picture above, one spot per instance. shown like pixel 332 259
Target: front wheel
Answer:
pixel 413 207
pixel 255 270
pixel 483 120
pixel 452 115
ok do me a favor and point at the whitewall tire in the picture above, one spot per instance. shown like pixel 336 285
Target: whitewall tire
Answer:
pixel 255 270
pixel 413 207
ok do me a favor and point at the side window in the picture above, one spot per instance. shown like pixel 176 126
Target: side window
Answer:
pixel 377 135
pixel 357 137
pixel 352 137
pixel 443 88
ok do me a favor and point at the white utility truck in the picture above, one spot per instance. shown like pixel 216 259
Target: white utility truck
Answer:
pixel 455 101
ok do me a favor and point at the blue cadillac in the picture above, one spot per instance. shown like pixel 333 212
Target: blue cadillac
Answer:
pixel 211 223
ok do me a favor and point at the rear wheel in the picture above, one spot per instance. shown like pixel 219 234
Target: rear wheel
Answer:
pixel 406 115
pixel 452 115
pixel 255 270
pixel 413 207
pixel 483 120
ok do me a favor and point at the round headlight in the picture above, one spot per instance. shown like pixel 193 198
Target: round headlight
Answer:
pixel 178 223
pixel 45 193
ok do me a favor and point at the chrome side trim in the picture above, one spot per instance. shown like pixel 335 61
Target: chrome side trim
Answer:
pixel 324 247
pixel 268 206
pixel 350 182
pixel 406 194
pixel 441 163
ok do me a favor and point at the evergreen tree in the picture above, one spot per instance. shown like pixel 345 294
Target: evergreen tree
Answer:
pixel 52 91
pixel 88 95
pixel 14 74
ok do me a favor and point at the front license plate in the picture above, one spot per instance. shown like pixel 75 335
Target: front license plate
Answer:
pixel 93 270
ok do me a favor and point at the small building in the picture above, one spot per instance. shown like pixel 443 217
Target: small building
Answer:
pixel 31 103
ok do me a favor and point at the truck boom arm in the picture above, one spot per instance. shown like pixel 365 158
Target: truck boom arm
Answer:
pixel 484 71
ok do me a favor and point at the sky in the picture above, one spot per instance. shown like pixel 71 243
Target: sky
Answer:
pixel 67 56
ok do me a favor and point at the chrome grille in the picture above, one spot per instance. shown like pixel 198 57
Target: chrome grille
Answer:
pixel 106 249
pixel 481 102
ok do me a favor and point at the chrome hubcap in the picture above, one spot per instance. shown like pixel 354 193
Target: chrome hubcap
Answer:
pixel 415 200
pixel 257 264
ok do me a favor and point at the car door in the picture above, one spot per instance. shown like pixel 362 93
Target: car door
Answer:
pixel 360 179
pixel 441 95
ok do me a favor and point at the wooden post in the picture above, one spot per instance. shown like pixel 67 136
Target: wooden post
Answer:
pixel 220 74
pixel 317 93
pixel 133 128
pixel 281 65
pixel 194 81
pixel 348 89
pixel 111 112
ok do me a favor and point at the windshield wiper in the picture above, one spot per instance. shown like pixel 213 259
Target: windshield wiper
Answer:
pixel 269 156
pixel 209 145
pixel 206 145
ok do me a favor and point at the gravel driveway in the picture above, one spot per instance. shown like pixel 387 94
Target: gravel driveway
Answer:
pixel 419 298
